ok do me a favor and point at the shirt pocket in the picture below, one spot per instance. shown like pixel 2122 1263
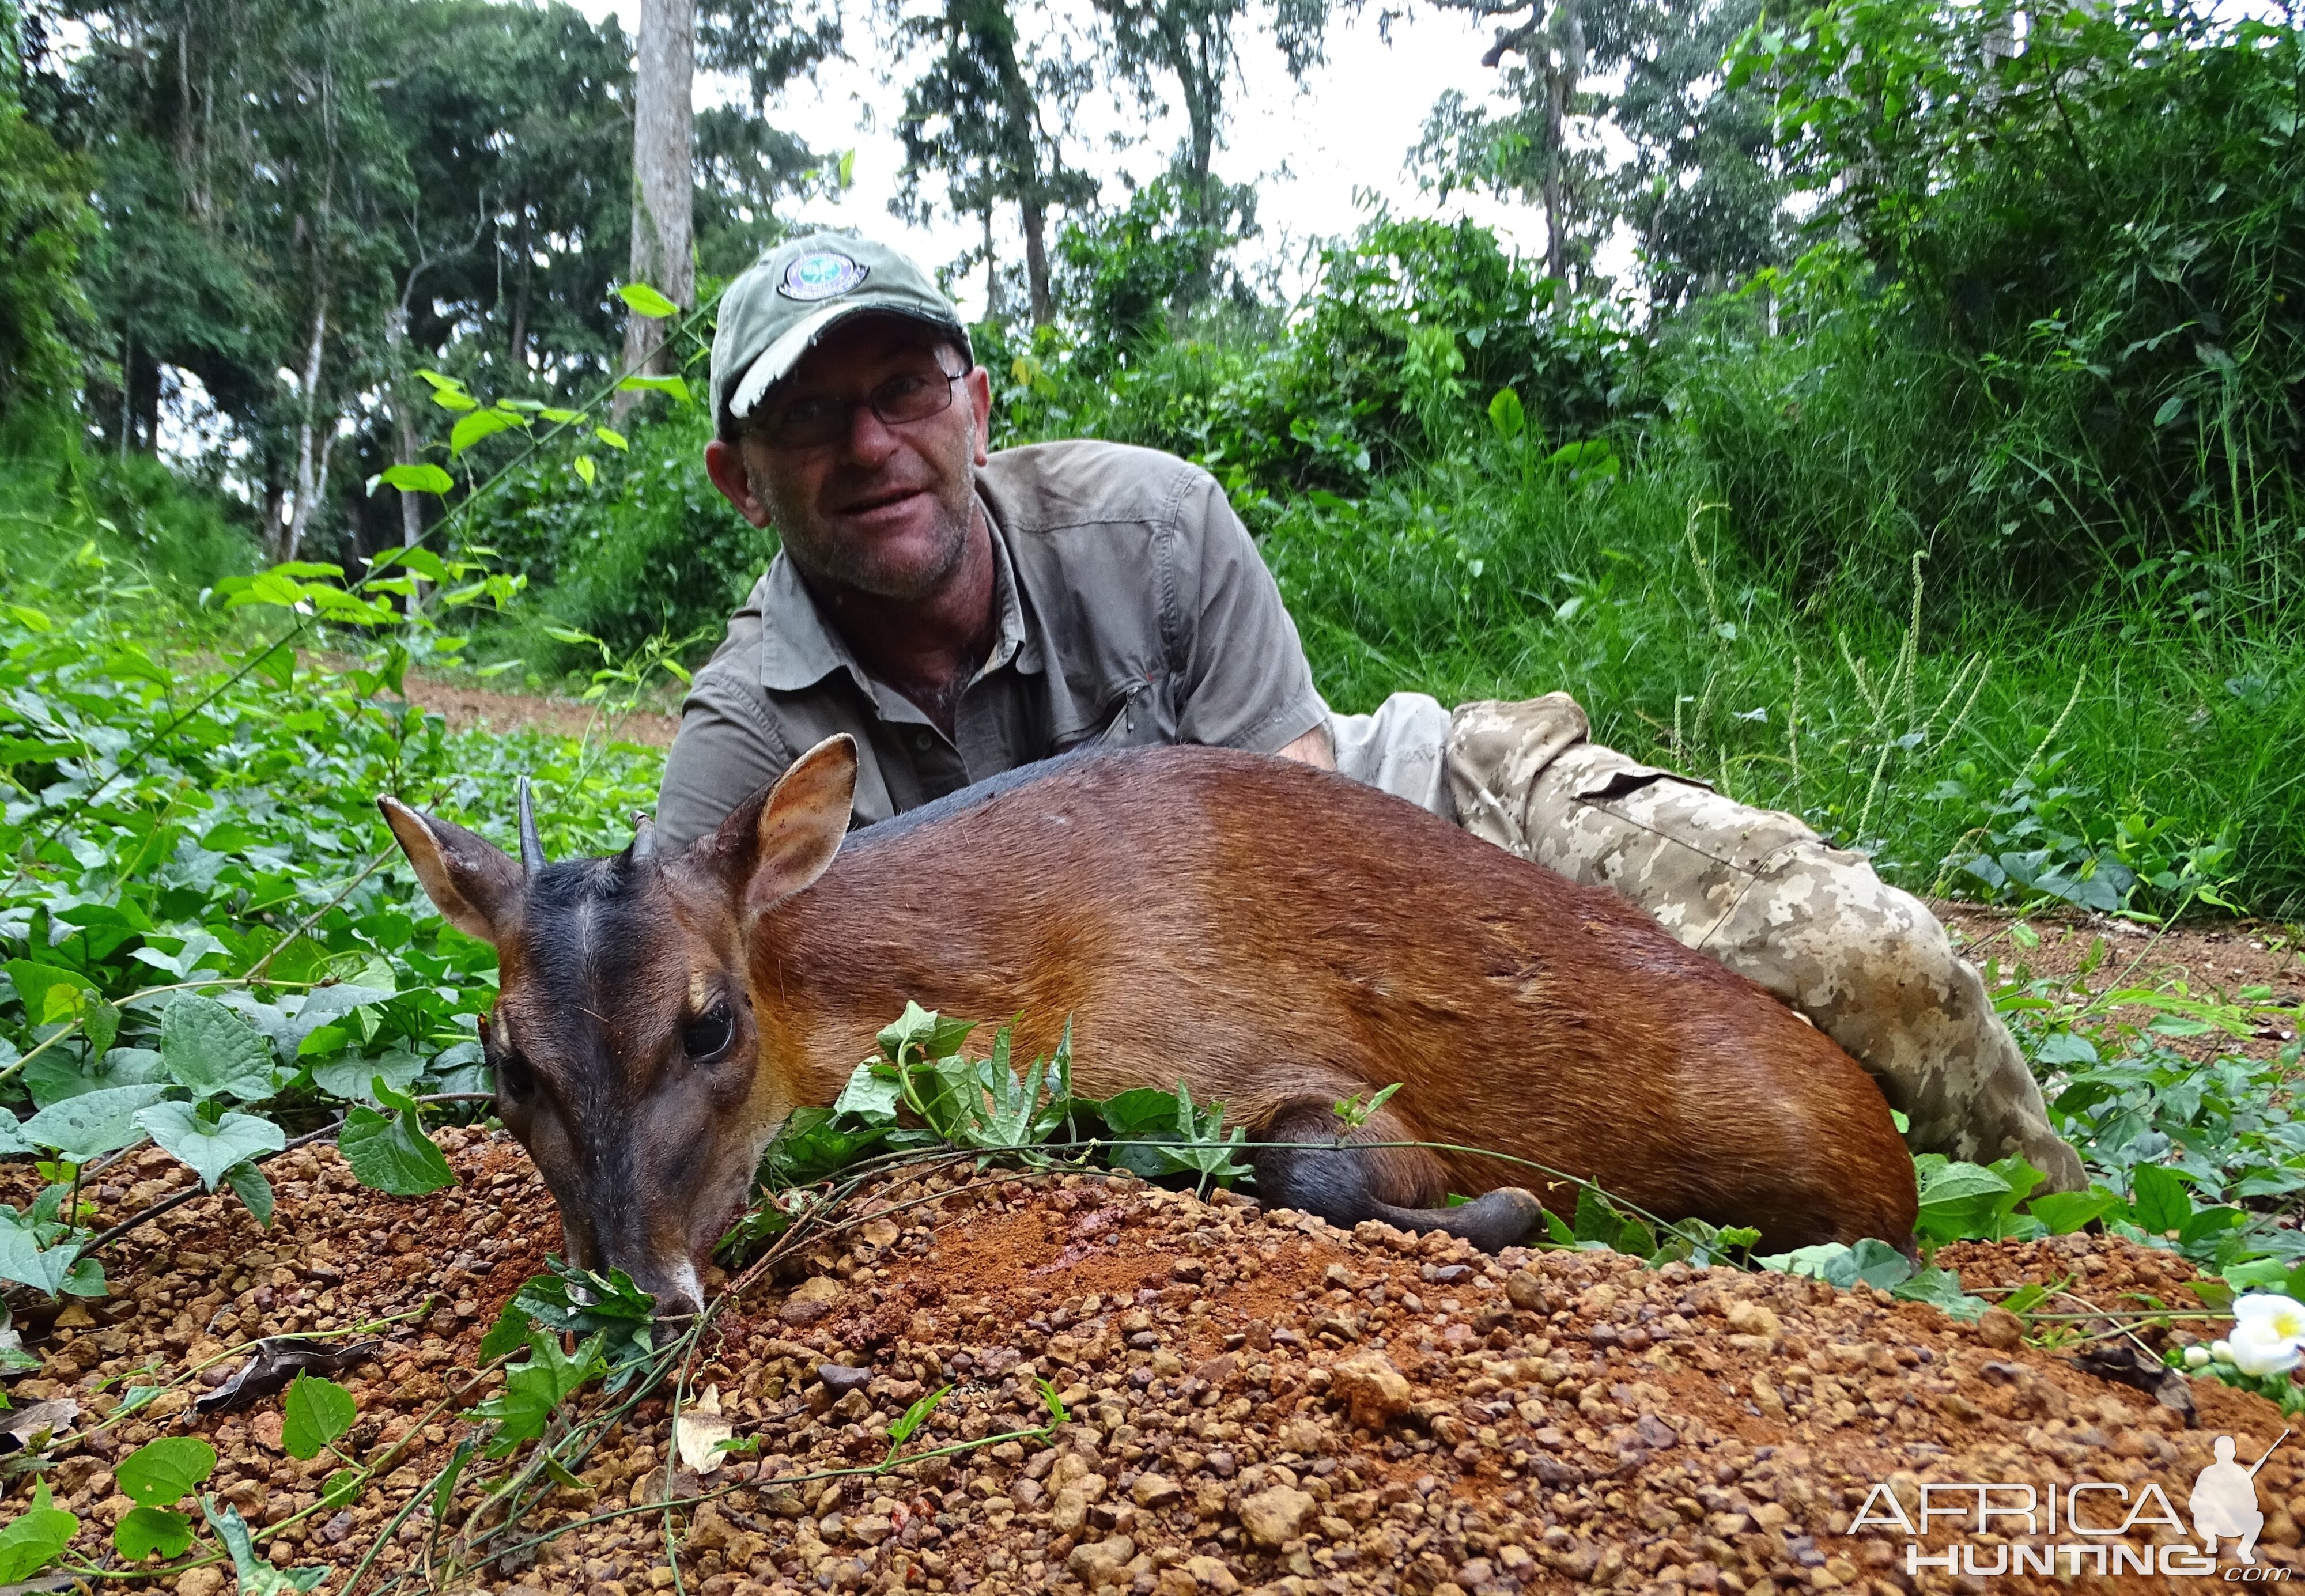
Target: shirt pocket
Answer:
pixel 1129 718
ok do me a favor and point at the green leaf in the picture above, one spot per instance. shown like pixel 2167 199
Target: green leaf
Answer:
pixel 23 1259
pixel 35 1538
pixel 354 1078
pixel 535 1390
pixel 1507 415
pixel 99 1022
pixel 508 1334
pixel 1958 1201
pixel 2171 408
pixel 210 1150
pixel 315 1412
pixel 873 1094
pixel 609 1308
pixel 258 1577
pixel 646 301
pixel 477 425
pixel 922 1033
pixel 1942 1290
pixel 446 1492
pixel 418 479
pixel 392 1155
pixel 914 1417
pixel 2064 1212
pixel 2159 1199
pixel 586 470
pixel 143 1531
pixel 94 1122
pixel 49 993
pixel 342 1488
pixel 210 1049
pixel 673 386
pixel 611 437
pixel 165 1471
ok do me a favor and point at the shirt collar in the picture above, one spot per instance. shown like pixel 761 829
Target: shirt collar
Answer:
pixel 799 648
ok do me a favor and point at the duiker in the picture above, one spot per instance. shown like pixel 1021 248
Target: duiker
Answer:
pixel 1279 937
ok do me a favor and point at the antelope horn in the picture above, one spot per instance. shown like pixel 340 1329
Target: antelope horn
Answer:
pixel 532 846
pixel 643 837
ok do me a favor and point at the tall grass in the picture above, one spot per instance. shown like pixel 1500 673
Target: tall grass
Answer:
pixel 2158 727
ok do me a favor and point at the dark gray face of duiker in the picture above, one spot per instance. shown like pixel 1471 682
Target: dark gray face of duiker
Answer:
pixel 623 1041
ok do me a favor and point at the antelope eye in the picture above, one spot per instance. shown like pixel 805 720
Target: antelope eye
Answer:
pixel 707 1036
pixel 514 1079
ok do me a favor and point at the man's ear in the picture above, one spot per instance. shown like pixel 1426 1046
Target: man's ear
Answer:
pixel 725 464
pixel 468 877
pixel 781 839
pixel 980 395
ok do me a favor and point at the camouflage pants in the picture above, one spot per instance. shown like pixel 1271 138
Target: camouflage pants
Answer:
pixel 1759 891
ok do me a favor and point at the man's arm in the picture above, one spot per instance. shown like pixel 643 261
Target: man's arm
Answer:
pixel 722 755
pixel 1242 674
pixel 1313 748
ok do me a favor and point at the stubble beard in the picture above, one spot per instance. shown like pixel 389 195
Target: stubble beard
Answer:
pixel 831 561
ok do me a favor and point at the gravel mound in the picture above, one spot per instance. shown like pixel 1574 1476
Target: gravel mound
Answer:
pixel 1256 1400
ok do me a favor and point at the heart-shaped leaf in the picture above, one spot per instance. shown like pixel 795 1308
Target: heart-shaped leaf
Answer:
pixel 92 1123
pixel 165 1471
pixel 211 1049
pixel 211 1151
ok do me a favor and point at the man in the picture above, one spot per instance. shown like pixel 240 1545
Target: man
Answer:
pixel 962 613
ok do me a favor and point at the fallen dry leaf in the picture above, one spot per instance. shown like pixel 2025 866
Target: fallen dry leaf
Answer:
pixel 701 1430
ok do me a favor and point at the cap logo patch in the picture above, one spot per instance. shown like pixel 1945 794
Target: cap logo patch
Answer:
pixel 821 275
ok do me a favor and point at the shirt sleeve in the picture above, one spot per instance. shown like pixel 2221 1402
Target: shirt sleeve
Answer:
pixel 1243 680
pixel 724 752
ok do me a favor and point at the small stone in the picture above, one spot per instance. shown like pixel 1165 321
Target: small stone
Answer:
pixel 1211 1575
pixel 2001 1329
pixel 199 1582
pixel 1275 1516
pixel 840 1379
pixel 809 1301
pixel 1525 1290
pixel 1155 1492
pixel 1372 1389
pixel 881 1233
pixel 1656 1434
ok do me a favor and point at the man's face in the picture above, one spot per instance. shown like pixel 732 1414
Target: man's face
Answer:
pixel 883 509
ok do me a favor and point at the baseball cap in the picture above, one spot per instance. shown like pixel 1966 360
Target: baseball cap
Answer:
pixel 775 312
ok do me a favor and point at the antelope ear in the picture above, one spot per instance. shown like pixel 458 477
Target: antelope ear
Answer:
pixel 468 877
pixel 781 839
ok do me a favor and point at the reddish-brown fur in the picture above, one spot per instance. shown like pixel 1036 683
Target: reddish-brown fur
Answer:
pixel 1272 934
pixel 1277 937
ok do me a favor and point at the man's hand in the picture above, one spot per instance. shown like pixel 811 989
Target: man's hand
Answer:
pixel 1313 748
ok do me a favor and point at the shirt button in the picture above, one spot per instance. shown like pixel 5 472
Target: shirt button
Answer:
pixel 923 741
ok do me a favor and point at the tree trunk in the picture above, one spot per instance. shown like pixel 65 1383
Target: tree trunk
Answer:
pixel 664 177
pixel 992 268
pixel 308 484
pixel 519 347
pixel 1036 259
pixel 404 420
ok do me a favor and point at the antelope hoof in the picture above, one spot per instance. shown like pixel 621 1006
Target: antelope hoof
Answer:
pixel 1492 1222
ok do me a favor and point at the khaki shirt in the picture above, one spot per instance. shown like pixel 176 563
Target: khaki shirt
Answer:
pixel 1134 609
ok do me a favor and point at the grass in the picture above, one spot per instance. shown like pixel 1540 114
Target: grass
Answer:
pixel 2146 738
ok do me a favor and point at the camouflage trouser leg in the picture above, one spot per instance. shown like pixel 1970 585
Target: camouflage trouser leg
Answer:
pixel 1763 894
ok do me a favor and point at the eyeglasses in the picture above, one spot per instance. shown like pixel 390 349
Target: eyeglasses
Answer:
pixel 813 423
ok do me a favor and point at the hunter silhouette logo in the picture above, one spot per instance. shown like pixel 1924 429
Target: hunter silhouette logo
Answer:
pixel 2061 1528
pixel 2224 1501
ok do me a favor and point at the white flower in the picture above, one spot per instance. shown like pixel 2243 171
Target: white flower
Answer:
pixel 2221 1352
pixel 2197 1356
pixel 2268 1334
